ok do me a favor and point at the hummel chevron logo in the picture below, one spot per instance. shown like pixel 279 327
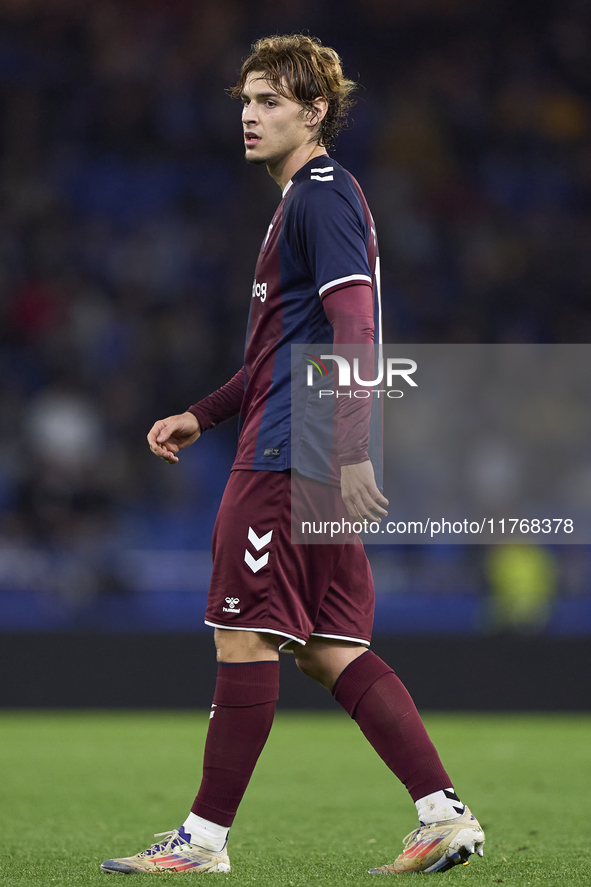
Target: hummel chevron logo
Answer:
pixel 256 565
pixel 258 542
pixel 322 174
pixel 451 796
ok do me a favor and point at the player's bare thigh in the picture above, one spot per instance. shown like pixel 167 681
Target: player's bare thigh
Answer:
pixel 245 646
pixel 323 659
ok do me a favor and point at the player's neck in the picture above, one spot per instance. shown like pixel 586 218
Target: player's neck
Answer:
pixel 288 166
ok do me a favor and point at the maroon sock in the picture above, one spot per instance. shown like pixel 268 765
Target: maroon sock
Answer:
pixel 241 718
pixel 371 693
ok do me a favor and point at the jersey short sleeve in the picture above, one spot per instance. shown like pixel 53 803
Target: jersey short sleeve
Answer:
pixel 330 231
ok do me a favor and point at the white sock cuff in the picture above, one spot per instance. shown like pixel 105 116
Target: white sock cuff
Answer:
pixel 204 833
pixel 439 806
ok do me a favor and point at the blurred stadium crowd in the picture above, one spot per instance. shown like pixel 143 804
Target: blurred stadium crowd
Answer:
pixel 129 227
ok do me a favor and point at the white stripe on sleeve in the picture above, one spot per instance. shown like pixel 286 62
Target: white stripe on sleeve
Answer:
pixel 363 278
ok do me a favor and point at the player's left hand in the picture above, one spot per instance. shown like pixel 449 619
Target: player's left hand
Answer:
pixel 360 492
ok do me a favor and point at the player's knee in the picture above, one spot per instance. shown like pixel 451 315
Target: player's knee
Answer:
pixel 313 667
pixel 324 661
pixel 304 666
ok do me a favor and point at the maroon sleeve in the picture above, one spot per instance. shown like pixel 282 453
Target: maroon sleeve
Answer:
pixel 221 404
pixel 350 313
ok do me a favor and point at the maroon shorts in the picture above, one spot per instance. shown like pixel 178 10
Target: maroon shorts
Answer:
pixel 263 582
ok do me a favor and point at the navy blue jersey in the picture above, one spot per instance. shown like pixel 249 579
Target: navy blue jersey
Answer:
pixel 322 238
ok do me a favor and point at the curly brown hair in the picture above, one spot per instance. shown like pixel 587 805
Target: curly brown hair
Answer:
pixel 300 67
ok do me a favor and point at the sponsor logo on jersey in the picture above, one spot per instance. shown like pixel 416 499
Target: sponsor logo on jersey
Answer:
pixel 259 291
pixel 231 602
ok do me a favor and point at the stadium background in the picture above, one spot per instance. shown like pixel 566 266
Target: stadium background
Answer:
pixel 129 226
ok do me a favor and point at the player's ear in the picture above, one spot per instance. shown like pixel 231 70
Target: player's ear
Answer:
pixel 315 116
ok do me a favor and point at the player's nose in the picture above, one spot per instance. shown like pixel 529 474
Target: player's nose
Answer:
pixel 248 114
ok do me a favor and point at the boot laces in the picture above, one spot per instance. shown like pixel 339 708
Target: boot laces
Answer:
pixel 411 836
pixel 173 841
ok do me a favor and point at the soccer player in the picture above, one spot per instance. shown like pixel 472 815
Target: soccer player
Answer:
pixel 316 281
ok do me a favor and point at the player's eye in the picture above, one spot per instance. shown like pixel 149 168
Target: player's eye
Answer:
pixel 270 104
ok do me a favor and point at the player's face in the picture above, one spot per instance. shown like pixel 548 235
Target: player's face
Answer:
pixel 275 127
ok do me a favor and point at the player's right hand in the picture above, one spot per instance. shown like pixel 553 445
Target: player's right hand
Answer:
pixel 168 436
pixel 360 492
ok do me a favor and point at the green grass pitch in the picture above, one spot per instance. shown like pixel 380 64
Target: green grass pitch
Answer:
pixel 79 787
